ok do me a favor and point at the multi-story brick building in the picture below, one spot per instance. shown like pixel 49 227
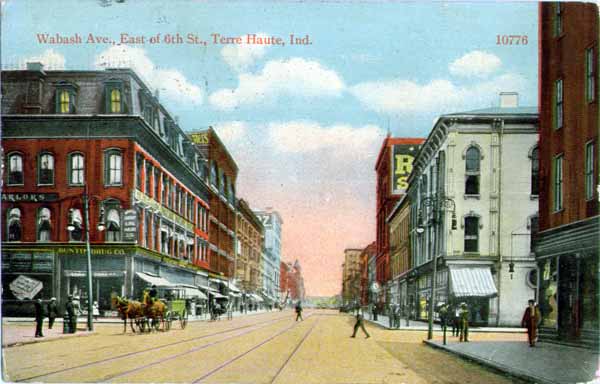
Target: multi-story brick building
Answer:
pixel 351 276
pixel 400 260
pixel 567 243
pixel 291 282
pixel 222 176
pixel 250 240
pixel 365 256
pixel 394 164
pixel 101 134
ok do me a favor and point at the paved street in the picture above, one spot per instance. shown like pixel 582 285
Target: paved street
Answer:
pixel 266 348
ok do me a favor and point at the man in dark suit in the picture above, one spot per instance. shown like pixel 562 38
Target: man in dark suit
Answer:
pixel 52 312
pixel 299 311
pixel 39 318
pixel 72 317
pixel 360 323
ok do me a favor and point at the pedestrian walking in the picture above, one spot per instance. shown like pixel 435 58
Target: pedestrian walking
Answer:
pixel 52 312
pixel 443 313
pixel 374 312
pixel 39 318
pixel 464 322
pixel 71 315
pixel 531 320
pixel 360 323
pixel 397 316
pixel 299 311
pixel 390 311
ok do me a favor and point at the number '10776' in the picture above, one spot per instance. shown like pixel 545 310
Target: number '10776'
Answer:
pixel 511 40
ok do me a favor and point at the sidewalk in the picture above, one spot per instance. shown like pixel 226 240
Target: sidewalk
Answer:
pixel 383 321
pixel 546 363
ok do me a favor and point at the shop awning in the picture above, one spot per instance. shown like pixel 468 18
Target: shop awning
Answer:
pixel 192 291
pixel 217 295
pixel 256 298
pixel 207 288
pixel 472 282
pixel 233 288
pixel 155 280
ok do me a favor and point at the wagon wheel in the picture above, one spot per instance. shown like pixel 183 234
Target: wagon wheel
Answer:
pixel 168 319
pixel 183 319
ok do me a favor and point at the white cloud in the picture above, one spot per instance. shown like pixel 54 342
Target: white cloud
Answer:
pixel 172 84
pixel 50 58
pixel 292 77
pixel 341 140
pixel 231 131
pixel 241 56
pixel 399 96
pixel 475 64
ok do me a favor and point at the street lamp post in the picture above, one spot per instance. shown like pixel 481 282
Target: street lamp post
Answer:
pixel 437 205
pixel 101 227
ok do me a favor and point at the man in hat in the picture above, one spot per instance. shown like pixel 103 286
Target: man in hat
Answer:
pixel 299 311
pixel 531 319
pixel 52 312
pixel 360 323
pixel 39 318
pixel 464 322
pixel 72 317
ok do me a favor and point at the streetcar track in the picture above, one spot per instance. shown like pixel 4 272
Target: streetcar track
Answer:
pixel 294 352
pixel 230 361
pixel 129 354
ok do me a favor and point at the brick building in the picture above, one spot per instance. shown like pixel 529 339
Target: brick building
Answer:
pixel 351 276
pixel 250 240
pixel 394 164
pixel 291 282
pixel 68 133
pixel 567 243
pixel 400 253
pixel 365 256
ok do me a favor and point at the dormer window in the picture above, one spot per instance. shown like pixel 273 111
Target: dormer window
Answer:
pixel 65 97
pixel 115 100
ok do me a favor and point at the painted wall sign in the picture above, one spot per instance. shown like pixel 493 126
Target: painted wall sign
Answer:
pixel 29 197
pixel 402 159
pixel 199 138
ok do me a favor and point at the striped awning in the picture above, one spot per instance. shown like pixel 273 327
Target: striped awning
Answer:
pixel 472 282
pixel 154 280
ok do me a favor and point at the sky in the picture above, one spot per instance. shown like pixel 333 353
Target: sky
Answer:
pixel 304 122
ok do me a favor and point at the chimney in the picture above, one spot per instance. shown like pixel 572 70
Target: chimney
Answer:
pixel 35 66
pixel 509 99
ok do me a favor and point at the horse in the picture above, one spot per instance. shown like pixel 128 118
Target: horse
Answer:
pixel 128 309
pixel 154 310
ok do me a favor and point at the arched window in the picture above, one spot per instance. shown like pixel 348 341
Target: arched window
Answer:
pixel 535 171
pixel 46 169
pixel 15 169
pixel 14 224
pixel 44 224
pixel 472 170
pixel 115 101
pixel 471 234
pixel 113 167
pixel 113 225
pixel 76 172
pixel 75 226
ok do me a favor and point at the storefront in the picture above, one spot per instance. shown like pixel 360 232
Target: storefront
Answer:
pixel 475 286
pixel 568 292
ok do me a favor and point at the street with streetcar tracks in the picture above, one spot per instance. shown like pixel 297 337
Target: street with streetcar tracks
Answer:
pixel 266 348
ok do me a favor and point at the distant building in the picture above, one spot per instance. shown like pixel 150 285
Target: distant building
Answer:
pixel 272 223
pixel 483 162
pixel 566 246
pixel 291 282
pixel 250 243
pixel 351 276
pixel 366 254
pixel 400 253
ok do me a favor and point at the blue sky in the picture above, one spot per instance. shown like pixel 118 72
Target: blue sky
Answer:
pixel 304 122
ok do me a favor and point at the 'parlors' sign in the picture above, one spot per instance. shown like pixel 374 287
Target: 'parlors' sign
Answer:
pixel 130 225
pixel 24 287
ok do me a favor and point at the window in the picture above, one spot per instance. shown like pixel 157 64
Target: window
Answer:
pixel 558 106
pixel 15 169
pixel 213 174
pixel 148 228
pixel 14 224
pixel 75 226
pixel 139 161
pixel 590 75
pixel 557 19
pixel 472 168
pixel 589 171
pixel 46 169
pixel 114 100
pixel 535 171
pixel 148 190
pixel 558 182
pixel 471 234
pixel 44 227
pixel 113 225
pixel 76 169
pixel 163 190
pixel 156 186
pixel 65 97
pixel 113 167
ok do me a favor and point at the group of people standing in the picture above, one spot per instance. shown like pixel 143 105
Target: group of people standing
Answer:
pixel 50 310
pixel 458 317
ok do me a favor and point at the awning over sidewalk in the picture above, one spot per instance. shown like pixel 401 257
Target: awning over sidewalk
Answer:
pixel 472 282
pixel 155 280
pixel 256 298
pixel 192 291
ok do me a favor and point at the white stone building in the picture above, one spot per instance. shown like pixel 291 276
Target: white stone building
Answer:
pixel 480 166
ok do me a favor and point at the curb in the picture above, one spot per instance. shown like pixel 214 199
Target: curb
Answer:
pixel 424 328
pixel 49 339
pixel 528 377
